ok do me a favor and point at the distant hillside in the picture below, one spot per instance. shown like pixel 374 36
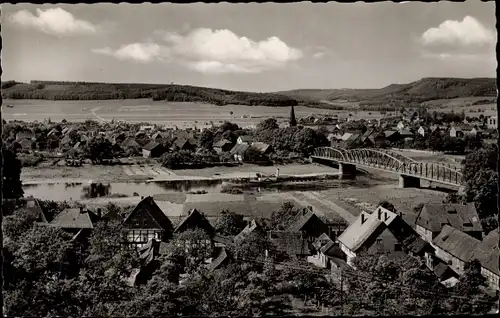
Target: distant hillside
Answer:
pixel 426 89
pixel 51 90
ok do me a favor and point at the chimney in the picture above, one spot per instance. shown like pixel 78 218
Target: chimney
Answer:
pixel 81 209
pixel 99 212
pixel 379 214
pixel 363 219
pixel 385 216
pixel 142 198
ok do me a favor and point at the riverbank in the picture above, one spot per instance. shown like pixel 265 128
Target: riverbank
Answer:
pixel 333 204
pixel 150 173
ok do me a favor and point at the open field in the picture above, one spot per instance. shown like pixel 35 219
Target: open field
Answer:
pixel 170 114
pixel 354 200
pixel 471 111
pixel 429 156
pixel 477 101
pixel 143 110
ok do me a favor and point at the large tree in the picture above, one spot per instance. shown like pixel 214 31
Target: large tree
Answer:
pixel 480 180
pixel 99 148
pixel 229 223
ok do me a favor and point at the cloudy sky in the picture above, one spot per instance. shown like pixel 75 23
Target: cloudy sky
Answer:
pixel 253 47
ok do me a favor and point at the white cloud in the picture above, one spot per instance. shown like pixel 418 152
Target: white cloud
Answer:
pixel 467 32
pixel 319 55
pixel 221 51
pixel 139 52
pixel 55 21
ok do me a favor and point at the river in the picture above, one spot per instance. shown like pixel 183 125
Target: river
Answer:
pixel 77 191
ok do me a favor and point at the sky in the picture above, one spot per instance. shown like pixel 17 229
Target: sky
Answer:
pixel 250 47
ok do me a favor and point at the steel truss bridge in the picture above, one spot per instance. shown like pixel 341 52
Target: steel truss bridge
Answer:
pixel 392 162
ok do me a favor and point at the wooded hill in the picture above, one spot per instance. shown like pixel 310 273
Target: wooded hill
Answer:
pixel 394 95
pixel 51 90
pixel 426 89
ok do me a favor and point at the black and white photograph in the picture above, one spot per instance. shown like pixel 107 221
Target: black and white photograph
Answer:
pixel 249 159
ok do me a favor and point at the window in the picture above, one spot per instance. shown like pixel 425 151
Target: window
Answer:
pixel 379 241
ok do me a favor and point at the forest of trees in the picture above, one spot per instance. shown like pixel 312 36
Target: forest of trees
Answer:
pixel 172 93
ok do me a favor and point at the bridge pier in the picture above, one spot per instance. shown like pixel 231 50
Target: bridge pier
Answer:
pixel 408 182
pixel 347 171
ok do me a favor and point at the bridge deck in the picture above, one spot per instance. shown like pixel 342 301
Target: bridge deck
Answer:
pixel 391 162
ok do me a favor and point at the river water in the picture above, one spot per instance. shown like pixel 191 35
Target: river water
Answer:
pixel 78 191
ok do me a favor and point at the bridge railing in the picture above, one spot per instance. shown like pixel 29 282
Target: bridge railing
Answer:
pixel 393 162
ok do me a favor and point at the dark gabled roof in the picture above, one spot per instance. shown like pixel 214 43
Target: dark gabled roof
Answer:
pixel 457 243
pixel 245 138
pixel 194 219
pixel 434 216
pixel 150 206
pixel 113 215
pixel 25 135
pixel 301 221
pixel 222 239
pixel 129 142
pixel 219 260
pixel 251 227
pixel 292 243
pixel 151 145
pixel 239 149
pixel 321 241
pixel 222 143
pixel 53 131
pixel 72 219
pixel 33 205
pixel 260 146
pixel 180 142
pixel 405 132
pixel 159 135
pixel 354 137
pixel 367 134
pixel 389 133
pixel 441 269
pixel 415 244
pixel 488 253
pixel 329 249
pixel 25 143
pixel 65 140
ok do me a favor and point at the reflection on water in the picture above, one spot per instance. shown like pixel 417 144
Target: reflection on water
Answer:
pixel 96 190
pixel 77 191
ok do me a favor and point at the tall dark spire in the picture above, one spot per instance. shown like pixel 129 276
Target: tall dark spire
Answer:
pixel 293 121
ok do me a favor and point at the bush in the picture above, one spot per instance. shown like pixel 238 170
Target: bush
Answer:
pixel 30 160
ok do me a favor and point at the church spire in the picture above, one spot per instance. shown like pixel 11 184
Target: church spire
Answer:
pixel 293 121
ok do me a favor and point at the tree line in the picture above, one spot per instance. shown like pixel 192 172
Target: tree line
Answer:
pixel 171 93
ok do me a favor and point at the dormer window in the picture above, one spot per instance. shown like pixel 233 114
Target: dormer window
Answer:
pixel 452 211
pixel 444 238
